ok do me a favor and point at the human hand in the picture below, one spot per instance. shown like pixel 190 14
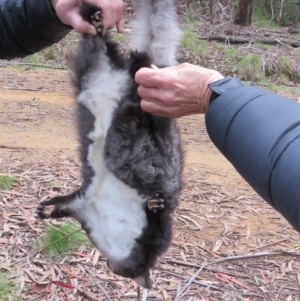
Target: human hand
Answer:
pixel 175 91
pixel 68 12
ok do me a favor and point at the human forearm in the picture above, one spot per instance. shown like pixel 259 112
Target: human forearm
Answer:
pixel 258 132
pixel 27 26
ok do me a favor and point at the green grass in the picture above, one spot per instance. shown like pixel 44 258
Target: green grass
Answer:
pixel 231 52
pixel 286 71
pixel 284 65
pixel 6 183
pixel 291 40
pixel 218 46
pixel 231 58
pixel 191 42
pixel 263 46
pixel 251 68
pixel 283 90
pixel 65 245
pixel 191 19
pixel 55 54
pixel 283 79
pixel 121 38
pixel 48 55
pixel 263 20
pixel 273 88
pixel 32 59
pixel 9 288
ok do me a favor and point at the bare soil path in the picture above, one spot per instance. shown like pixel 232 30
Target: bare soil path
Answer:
pixel 219 217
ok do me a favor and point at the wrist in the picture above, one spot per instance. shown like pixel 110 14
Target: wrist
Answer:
pixel 210 78
pixel 221 86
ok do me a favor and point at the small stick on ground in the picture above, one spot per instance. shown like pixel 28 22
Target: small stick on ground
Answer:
pixel 186 288
pixel 99 285
pixel 270 244
pixel 186 278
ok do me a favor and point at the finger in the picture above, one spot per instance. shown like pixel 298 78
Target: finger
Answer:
pixel 149 93
pixel 152 107
pixel 107 18
pixel 119 15
pixel 148 77
pixel 158 109
pixel 80 25
pixel 174 111
pixel 160 96
pixel 120 25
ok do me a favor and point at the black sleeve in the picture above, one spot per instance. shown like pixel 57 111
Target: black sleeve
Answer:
pixel 27 26
pixel 259 133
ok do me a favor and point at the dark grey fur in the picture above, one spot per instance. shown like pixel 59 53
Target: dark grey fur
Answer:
pixel 141 150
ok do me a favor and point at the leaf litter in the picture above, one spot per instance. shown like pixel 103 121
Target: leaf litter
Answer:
pixel 228 244
pixel 216 254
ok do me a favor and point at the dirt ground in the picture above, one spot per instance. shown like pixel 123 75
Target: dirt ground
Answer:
pixel 220 217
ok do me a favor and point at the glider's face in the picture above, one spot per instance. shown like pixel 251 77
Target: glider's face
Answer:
pixel 138 272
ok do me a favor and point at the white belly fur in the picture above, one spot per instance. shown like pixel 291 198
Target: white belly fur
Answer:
pixel 113 211
pixel 115 214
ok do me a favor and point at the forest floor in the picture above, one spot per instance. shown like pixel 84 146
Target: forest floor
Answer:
pixel 246 250
pixel 241 248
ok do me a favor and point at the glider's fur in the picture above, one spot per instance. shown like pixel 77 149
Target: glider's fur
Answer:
pixel 131 160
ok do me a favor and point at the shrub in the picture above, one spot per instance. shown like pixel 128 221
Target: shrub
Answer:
pixel 59 241
pixel 9 288
pixel 6 182
pixel 251 68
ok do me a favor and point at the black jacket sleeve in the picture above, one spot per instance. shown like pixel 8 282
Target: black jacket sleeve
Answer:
pixel 27 26
pixel 259 133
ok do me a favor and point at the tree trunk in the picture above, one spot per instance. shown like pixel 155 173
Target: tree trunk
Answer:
pixel 213 11
pixel 272 10
pixel 280 12
pixel 244 12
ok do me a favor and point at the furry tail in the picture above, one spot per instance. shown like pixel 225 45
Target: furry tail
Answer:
pixel 156 31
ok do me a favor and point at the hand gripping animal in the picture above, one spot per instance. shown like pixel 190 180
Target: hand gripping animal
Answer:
pixel 131 160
